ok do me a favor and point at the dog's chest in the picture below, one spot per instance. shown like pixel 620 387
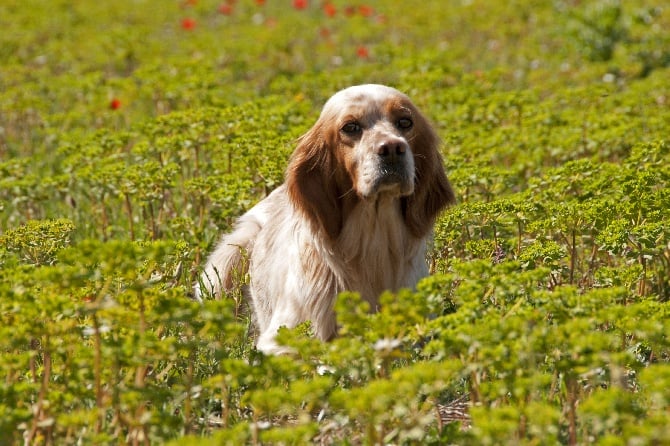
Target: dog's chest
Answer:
pixel 376 251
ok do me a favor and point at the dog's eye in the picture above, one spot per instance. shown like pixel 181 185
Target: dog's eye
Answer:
pixel 404 123
pixel 351 128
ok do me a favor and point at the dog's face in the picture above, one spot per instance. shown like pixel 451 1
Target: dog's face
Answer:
pixel 369 141
pixel 372 130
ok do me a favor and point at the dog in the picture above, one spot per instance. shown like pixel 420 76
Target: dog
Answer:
pixel 361 194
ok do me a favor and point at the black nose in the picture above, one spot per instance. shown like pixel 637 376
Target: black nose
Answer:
pixel 391 149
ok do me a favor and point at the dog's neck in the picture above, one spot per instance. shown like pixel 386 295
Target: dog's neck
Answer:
pixel 376 243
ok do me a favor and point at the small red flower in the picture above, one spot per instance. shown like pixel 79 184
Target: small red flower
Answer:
pixel 300 4
pixel 362 52
pixel 260 2
pixel 329 9
pixel 365 10
pixel 188 23
pixel 115 104
pixel 226 8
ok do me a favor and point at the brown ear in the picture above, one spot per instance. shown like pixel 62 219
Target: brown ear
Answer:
pixel 432 191
pixel 311 182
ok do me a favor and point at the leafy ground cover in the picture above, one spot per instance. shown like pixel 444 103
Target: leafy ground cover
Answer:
pixel 133 132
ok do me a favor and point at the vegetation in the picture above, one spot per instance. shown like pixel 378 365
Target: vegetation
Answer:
pixel 132 133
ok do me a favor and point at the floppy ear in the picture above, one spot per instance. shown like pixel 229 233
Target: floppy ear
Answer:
pixel 432 190
pixel 311 181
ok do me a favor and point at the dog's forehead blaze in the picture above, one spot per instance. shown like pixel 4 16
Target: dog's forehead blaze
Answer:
pixel 365 99
pixel 368 112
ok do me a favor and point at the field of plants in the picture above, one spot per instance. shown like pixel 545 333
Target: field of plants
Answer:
pixel 133 133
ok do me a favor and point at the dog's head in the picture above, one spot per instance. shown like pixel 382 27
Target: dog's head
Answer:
pixel 369 141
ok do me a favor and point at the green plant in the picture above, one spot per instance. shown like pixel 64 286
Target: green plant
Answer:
pixel 125 154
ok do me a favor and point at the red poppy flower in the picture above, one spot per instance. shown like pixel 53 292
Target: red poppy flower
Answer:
pixel 329 9
pixel 115 104
pixel 365 10
pixel 362 52
pixel 188 23
pixel 300 4
pixel 260 2
pixel 226 8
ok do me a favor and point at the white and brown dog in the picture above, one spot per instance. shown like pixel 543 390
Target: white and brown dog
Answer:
pixel 362 191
